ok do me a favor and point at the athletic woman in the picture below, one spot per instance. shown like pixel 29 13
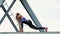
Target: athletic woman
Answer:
pixel 22 20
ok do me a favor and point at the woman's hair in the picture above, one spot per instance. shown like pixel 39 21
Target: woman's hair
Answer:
pixel 18 14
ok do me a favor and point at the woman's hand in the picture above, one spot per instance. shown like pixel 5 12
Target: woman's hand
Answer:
pixel 21 30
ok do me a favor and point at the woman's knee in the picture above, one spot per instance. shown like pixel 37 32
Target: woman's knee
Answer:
pixel 29 22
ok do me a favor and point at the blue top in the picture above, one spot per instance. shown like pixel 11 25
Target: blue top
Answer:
pixel 23 19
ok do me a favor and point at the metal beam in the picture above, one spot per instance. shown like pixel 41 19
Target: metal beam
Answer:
pixel 7 11
pixel 31 13
pixel 6 14
pixel 1 2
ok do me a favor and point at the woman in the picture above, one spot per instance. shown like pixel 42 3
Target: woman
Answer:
pixel 22 20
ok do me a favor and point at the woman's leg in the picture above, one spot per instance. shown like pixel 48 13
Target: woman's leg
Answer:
pixel 29 23
pixel 34 27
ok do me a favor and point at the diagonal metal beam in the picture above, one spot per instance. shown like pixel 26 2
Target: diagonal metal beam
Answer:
pixel 6 14
pixel 1 2
pixel 10 19
pixel 7 11
pixel 31 13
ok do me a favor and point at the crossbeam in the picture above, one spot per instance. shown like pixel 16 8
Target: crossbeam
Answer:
pixel 6 14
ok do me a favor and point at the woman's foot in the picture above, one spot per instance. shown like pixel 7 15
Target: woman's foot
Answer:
pixel 46 29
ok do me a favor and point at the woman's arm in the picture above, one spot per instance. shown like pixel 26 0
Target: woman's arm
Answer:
pixel 20 27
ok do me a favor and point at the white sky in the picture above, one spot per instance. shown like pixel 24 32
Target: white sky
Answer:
pixel 47 11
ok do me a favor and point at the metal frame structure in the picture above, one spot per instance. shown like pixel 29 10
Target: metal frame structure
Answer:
pixel 29 11
pixel 6 14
